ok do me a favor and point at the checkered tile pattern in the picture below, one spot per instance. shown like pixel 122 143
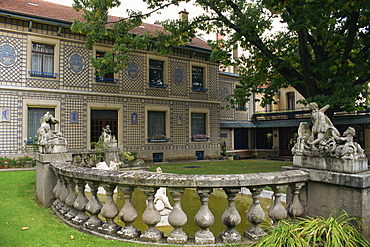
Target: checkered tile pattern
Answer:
pixel 71 79
pixel 13 74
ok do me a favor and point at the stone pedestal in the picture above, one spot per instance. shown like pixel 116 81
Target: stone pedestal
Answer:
pixel 332 164
pixel 45 177
pixel 335 184
pixel 111 154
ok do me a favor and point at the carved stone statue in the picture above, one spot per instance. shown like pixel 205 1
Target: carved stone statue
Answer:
pixel 50 141
pixel 323 147
pixel 325 140
pixel 110 140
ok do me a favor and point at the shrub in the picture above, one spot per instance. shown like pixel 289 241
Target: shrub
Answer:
pixel 19 162
pixel 335 231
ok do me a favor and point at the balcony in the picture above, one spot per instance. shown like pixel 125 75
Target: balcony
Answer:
pixel 282 114
pixel 43 74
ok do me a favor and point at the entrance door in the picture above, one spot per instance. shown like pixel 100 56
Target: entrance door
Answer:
pixel 100 119
pixel 286 140
pixel 240 139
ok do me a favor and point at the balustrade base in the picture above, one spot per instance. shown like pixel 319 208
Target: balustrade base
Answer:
pixel 231 236
pixel 153 236
pixel 71 214
pixel 177 238
pixel 93 224
pixel 203 237
pixel 255 233
pixel 129 233
pixel 109 229
pixel 80 219
pixel 64 209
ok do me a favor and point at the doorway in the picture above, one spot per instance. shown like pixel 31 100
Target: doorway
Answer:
pixel 102 118
pixel 240 139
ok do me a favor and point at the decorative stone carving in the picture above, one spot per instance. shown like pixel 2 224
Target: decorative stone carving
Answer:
pixel 324 140
pixel 325 149
pixel 162 204
pixel 49 141
pixel 231 218
pixel 204 219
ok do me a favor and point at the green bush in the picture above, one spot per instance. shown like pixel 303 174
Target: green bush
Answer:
pixel 335 231
pixel 20 162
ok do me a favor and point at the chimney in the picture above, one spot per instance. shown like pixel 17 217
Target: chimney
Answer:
pixel 183 15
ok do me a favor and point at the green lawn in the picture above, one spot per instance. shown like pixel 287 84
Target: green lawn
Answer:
pixel 24 223
pixel 223 167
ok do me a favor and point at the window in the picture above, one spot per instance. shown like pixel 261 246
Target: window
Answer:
pixel 34 115
pixel 155 72
pixel 291 101
pixel 198 124
pixel 42 63
pixel 241 104
pixel 198 79
pixel 109 77
pixel 156 125
pixel 268 108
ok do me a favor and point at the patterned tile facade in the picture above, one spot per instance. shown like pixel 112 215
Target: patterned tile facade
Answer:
pixel 76 93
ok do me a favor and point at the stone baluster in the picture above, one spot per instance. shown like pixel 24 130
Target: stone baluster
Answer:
pixel 63 209
pixel 277 211
pixel 177 219
pixel 294 207
pixel 231 218
pixel 93 207
pixel 57 191
pixel 128 215
pixel 80 203
pixel 151 217
pixel 204 219
pixel 109 212
pixel 255 215
pixel 72 195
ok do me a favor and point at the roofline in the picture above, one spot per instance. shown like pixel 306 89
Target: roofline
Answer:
pixel 69 24
pixel 35 18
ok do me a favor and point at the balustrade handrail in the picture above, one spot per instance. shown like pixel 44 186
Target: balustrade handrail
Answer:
pixel 180 180
pixel 86 214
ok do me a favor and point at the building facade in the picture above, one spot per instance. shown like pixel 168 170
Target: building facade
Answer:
pixel 165 107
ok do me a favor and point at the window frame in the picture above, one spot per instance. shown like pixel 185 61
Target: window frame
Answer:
pixel 207 121
pixel 165 79
pixel 167 128
pixel 205 77
pixel 32 103
pixel 103 49
pixel 290 100
pixel 56 65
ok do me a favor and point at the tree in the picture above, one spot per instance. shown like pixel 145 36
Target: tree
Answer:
pixel 323 51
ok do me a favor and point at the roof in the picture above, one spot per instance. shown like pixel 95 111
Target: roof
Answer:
pixel 56 12
pixel 229 74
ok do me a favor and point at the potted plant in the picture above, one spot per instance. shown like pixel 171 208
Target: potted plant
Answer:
pixel 199 137
pixel 158 138
pixel 223 148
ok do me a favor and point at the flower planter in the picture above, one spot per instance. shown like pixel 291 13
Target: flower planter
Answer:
pixel 199 139
pixel 158 140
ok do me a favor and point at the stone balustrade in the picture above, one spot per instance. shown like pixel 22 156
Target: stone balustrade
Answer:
pixel 92 216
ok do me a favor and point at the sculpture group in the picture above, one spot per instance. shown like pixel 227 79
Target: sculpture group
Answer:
pixel 50 141
pixel 324 140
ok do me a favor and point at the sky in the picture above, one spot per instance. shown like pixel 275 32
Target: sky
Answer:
pixel 169 13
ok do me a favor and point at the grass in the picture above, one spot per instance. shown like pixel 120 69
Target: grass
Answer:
pixel 25 223
pixel 223 167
